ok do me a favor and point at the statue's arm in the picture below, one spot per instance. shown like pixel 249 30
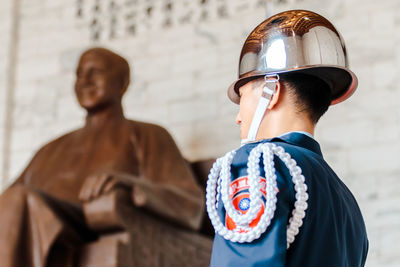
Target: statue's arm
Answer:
pixel 167 200
pixel 167 184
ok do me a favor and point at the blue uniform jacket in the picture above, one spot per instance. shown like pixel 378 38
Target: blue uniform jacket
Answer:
pixel 333 231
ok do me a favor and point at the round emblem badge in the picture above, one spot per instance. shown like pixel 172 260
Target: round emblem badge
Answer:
pixel 240 196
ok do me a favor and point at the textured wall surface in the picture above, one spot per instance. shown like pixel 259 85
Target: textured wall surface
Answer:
pixel 5 42
pixel 184 54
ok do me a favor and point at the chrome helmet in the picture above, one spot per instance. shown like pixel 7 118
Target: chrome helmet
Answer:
pixel 296 41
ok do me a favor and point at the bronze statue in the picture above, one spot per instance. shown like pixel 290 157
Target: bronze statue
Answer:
pixel 43 208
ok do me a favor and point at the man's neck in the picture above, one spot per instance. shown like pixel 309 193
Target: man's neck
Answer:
pixel 104 116
pixel 273 126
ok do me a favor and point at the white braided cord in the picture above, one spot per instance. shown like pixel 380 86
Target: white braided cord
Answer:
pixel 220 176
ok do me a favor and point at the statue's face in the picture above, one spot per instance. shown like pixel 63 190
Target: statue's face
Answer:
pixel 96 84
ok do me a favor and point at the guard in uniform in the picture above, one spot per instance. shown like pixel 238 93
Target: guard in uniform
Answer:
pixel 275 201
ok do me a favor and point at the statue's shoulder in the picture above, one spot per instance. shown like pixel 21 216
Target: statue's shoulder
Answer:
pixel 147 127
pixel 61 140
pixel 149 133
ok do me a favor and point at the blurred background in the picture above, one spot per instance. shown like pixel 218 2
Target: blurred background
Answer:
pixel 183 55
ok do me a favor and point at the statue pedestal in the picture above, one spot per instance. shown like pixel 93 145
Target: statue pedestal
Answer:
pixel 131 237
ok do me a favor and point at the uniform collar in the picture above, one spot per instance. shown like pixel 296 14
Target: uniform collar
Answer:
pixel 300 139
pixel 302 132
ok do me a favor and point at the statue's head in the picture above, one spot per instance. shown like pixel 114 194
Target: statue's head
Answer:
pixel 102 78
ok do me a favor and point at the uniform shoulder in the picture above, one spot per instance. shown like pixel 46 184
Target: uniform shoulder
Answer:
pixel 300 154
pixel 300 150
pixel 246 149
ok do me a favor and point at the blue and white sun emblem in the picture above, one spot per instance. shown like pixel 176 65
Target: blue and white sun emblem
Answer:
pixel 244 204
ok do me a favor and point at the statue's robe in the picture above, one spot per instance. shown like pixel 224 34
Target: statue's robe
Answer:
pixel 42 206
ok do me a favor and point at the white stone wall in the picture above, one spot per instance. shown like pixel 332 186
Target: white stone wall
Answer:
pixel 183 58
pixel 4 44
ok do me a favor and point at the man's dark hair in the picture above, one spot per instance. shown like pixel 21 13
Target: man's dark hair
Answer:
pixel 312 94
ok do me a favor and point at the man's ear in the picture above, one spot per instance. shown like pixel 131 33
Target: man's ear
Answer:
pixel 276 96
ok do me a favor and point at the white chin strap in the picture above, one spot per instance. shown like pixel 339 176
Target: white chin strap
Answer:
pixel 267 93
